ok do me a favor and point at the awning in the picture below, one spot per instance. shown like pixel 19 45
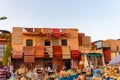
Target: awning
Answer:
pixel 39 51
pixel 56 33
pixel 29 59
pixel 29 54
pixel 17 54
pixel 75 54
pixel 57 49
pixel 107 54
pixel 57 52
pixel 66 52
pixel 29 51
pixel 93 54
pixel 66 56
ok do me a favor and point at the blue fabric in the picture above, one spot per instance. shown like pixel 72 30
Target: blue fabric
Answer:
pixel 71 77
pixel 64 78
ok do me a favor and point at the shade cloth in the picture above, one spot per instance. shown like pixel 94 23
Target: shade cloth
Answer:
pixel 29 54
pixel 17 54
pixel 29 50
pixel 28 59
pixel 107 54
pixel 115 60
pixel 75 54
pixel 57 52
pixel 57 49
pixel 66 52
pixel 39 51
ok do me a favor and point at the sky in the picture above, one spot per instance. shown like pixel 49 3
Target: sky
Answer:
pixel 99 19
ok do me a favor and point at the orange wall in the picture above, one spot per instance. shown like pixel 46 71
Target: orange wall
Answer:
pixel 114 44
pixel 37 40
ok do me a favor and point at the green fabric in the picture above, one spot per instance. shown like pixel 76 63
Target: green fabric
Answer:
pixel 94 54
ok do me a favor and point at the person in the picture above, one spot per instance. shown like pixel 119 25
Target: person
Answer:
pixel 21 71
pixel 96 73
pixel 49 70
pixel 4 73
pixel 46 71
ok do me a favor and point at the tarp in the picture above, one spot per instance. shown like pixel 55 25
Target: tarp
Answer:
pixel 115 60
pixel 17 54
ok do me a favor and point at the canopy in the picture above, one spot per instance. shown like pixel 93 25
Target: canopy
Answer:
pixel 17 54
pixel 115 60
pixel 94 54
pixel 75 54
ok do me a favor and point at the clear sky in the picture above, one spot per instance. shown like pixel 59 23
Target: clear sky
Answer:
pixel 99 19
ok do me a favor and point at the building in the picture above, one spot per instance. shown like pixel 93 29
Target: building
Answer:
pixel 84 48
pixel 4 35
pixel 114 47
pixel 52 47
pixel 104 47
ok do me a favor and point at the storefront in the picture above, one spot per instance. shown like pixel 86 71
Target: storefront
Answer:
pixel 75 58
pixel 57 58
pixel 17 59
pixel 39 55
pixel 66 56
pixel 29 56
pixel 107 54
pixel 95 58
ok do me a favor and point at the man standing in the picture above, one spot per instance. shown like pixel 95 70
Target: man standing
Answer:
pixel 4 73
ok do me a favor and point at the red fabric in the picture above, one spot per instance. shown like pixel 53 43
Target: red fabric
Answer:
pixel 57 49
pixel 29 59
pixel 57 52
pixel 107 56
pixel 29 50
pixel 57 56
pixel 17 55
pixel 56 33
pixel 75 54
pixel 39 51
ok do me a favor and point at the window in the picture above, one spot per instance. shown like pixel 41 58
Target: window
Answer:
pixel 29 42
pixel 47 43
pixel 2 49
pixel 64 42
